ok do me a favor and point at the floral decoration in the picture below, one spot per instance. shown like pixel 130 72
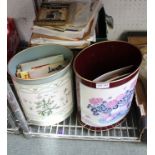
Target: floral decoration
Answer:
pixel 45 108
pixel 100 106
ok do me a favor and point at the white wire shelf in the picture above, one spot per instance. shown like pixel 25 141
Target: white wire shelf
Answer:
pixel 11 122
pixel 71 129
pixel 12 128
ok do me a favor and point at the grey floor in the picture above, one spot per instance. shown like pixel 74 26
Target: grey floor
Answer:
pixel 18 145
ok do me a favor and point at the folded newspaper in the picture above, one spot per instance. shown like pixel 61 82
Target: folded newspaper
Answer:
pixel 77 26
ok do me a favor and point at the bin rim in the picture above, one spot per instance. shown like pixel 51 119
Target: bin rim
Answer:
pixel 54 74
pixel 91 81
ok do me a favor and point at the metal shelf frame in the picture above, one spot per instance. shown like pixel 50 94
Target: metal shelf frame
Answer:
pixel 70 128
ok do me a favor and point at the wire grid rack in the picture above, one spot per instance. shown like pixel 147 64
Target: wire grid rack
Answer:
pixel 10 129
pixel 11 122
pixel 72 129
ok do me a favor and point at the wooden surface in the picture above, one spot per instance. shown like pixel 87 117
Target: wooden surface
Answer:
pixel 140 42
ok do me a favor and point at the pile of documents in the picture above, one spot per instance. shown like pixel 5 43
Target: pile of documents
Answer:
pixel 70 23
pixel 115 74
pixel 41 67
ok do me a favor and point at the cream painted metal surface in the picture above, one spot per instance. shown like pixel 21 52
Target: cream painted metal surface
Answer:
pixel 49 103
pixel 47 100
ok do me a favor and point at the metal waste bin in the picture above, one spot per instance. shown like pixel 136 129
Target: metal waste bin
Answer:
pixel 103 105
pixel 48 100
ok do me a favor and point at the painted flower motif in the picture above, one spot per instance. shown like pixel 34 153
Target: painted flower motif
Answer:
pixel 112 103
pixel 119 97
pixel 121 103
pixel 106 119
pixel 119 110
pixel 111 117
pixel 46 108
pixel 105 116
pixel 95 101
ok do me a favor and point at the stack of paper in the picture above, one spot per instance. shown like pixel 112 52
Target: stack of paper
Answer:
pixel 69 24
pixel 114 74
pixel 41 67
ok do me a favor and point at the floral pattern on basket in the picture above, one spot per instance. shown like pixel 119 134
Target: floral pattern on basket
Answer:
pixel 45 108
pixel 108 109
pixel 101 108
